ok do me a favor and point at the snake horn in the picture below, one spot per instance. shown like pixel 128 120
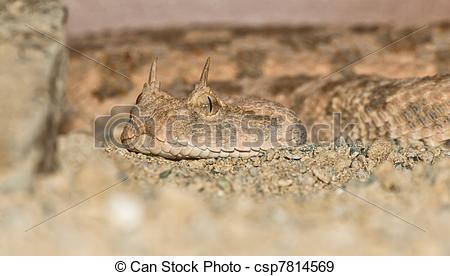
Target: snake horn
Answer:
pixel 152 75
pixel 152 85
pixel 204 76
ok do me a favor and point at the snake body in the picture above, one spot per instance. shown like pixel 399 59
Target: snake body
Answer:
pixel 206 126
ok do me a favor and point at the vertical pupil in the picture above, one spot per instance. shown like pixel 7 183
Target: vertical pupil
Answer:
pixel 210 104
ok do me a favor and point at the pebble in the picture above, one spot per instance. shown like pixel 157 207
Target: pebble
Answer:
pixel 290 156
pixel 215 170
pixel 285 182
pixel 354 151
pixel 165 174
pixel 254 171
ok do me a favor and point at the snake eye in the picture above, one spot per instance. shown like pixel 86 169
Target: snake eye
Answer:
pixel 209 105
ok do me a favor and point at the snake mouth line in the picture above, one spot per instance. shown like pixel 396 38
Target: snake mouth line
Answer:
pixel 149 145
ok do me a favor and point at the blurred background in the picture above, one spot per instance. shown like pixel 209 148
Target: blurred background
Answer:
pixel 91 16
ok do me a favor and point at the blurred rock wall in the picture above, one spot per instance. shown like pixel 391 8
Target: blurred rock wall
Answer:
pixel 31 85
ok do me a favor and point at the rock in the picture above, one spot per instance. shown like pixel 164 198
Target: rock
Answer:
pixel 31 81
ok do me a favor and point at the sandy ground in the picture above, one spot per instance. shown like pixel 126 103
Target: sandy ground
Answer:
pixel 313 200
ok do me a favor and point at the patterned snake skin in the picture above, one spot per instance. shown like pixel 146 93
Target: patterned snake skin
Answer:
pixel 206 126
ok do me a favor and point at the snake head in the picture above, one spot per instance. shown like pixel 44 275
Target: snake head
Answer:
pixel 203 125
